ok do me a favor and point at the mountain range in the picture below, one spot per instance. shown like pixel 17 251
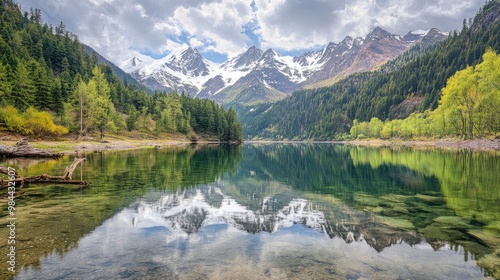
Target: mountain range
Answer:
pixel 410 83
pixel 265 76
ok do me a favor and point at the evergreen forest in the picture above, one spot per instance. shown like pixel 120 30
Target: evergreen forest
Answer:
pixel 50 86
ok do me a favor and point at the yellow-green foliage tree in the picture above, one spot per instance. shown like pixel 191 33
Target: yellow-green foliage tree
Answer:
pixel 169 114
pixel 470 102
pixel 31 122
pixel 92 109
pixel 103 111
pixel 469 108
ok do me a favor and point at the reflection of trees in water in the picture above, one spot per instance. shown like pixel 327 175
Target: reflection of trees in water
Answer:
pixel 169 167
pixel 331 169
pixel 266 183
pixel 24 163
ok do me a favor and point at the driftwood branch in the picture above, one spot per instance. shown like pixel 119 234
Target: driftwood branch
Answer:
pixel 66 178
pixel 68 172
pixel 24 149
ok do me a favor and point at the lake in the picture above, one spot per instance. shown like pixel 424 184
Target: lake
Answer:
pixel 262 211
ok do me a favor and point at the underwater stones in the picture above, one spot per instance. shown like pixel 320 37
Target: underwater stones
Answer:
pixel 401 210
pixel 367 200
pixel 452 222
pixel 397 223
pixel 377 210
pixel 486 237
pixel 436 232
pixel 397 198
pixel 430 200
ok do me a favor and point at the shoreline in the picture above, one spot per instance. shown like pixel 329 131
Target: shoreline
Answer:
pixel 72 147
pixel 475 145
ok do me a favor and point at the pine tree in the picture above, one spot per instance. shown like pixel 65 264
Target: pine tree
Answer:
pixel 5 85
pixel 234 127
pixel 43 96
pixel 23 94
pixel 100 102
pixel 57 100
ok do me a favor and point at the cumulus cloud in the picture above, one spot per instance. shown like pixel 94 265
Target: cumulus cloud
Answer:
pixel 117 29
pixel 295 24
pixel 217 24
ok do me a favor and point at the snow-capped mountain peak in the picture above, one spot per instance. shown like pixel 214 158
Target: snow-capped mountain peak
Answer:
pixel 377 33
pixel 189 62
pixel 136 62
pixel 267 76
pixel 347 42
pixel 245 60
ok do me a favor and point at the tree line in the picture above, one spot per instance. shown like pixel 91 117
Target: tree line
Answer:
pixel 404 87
pixel 48 80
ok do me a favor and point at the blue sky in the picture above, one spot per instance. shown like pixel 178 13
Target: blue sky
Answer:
pixel 224 28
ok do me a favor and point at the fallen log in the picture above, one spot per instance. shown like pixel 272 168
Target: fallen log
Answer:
pixel 66 178
pixel 24 149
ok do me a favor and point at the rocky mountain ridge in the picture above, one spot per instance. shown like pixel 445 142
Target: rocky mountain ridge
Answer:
pixel 266 76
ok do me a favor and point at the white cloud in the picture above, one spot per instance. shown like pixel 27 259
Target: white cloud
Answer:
pixel 451 8
pixel 100 2
pixel 218 24
pixel 290 25
pixel 195 43
pixel 141 10
pixel 118 28
pixel 295 24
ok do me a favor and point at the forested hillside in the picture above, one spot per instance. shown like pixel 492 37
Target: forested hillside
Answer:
pixel 116 70
pixel 327 113
pixel 469 108
pixel 50 86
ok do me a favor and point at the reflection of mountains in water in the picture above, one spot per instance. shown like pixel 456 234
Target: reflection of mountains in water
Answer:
pixel 186 211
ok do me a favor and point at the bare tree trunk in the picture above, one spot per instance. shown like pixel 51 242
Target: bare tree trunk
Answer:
pixel 81 116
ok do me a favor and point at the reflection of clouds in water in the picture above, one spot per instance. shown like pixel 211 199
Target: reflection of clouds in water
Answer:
pixel 230 241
